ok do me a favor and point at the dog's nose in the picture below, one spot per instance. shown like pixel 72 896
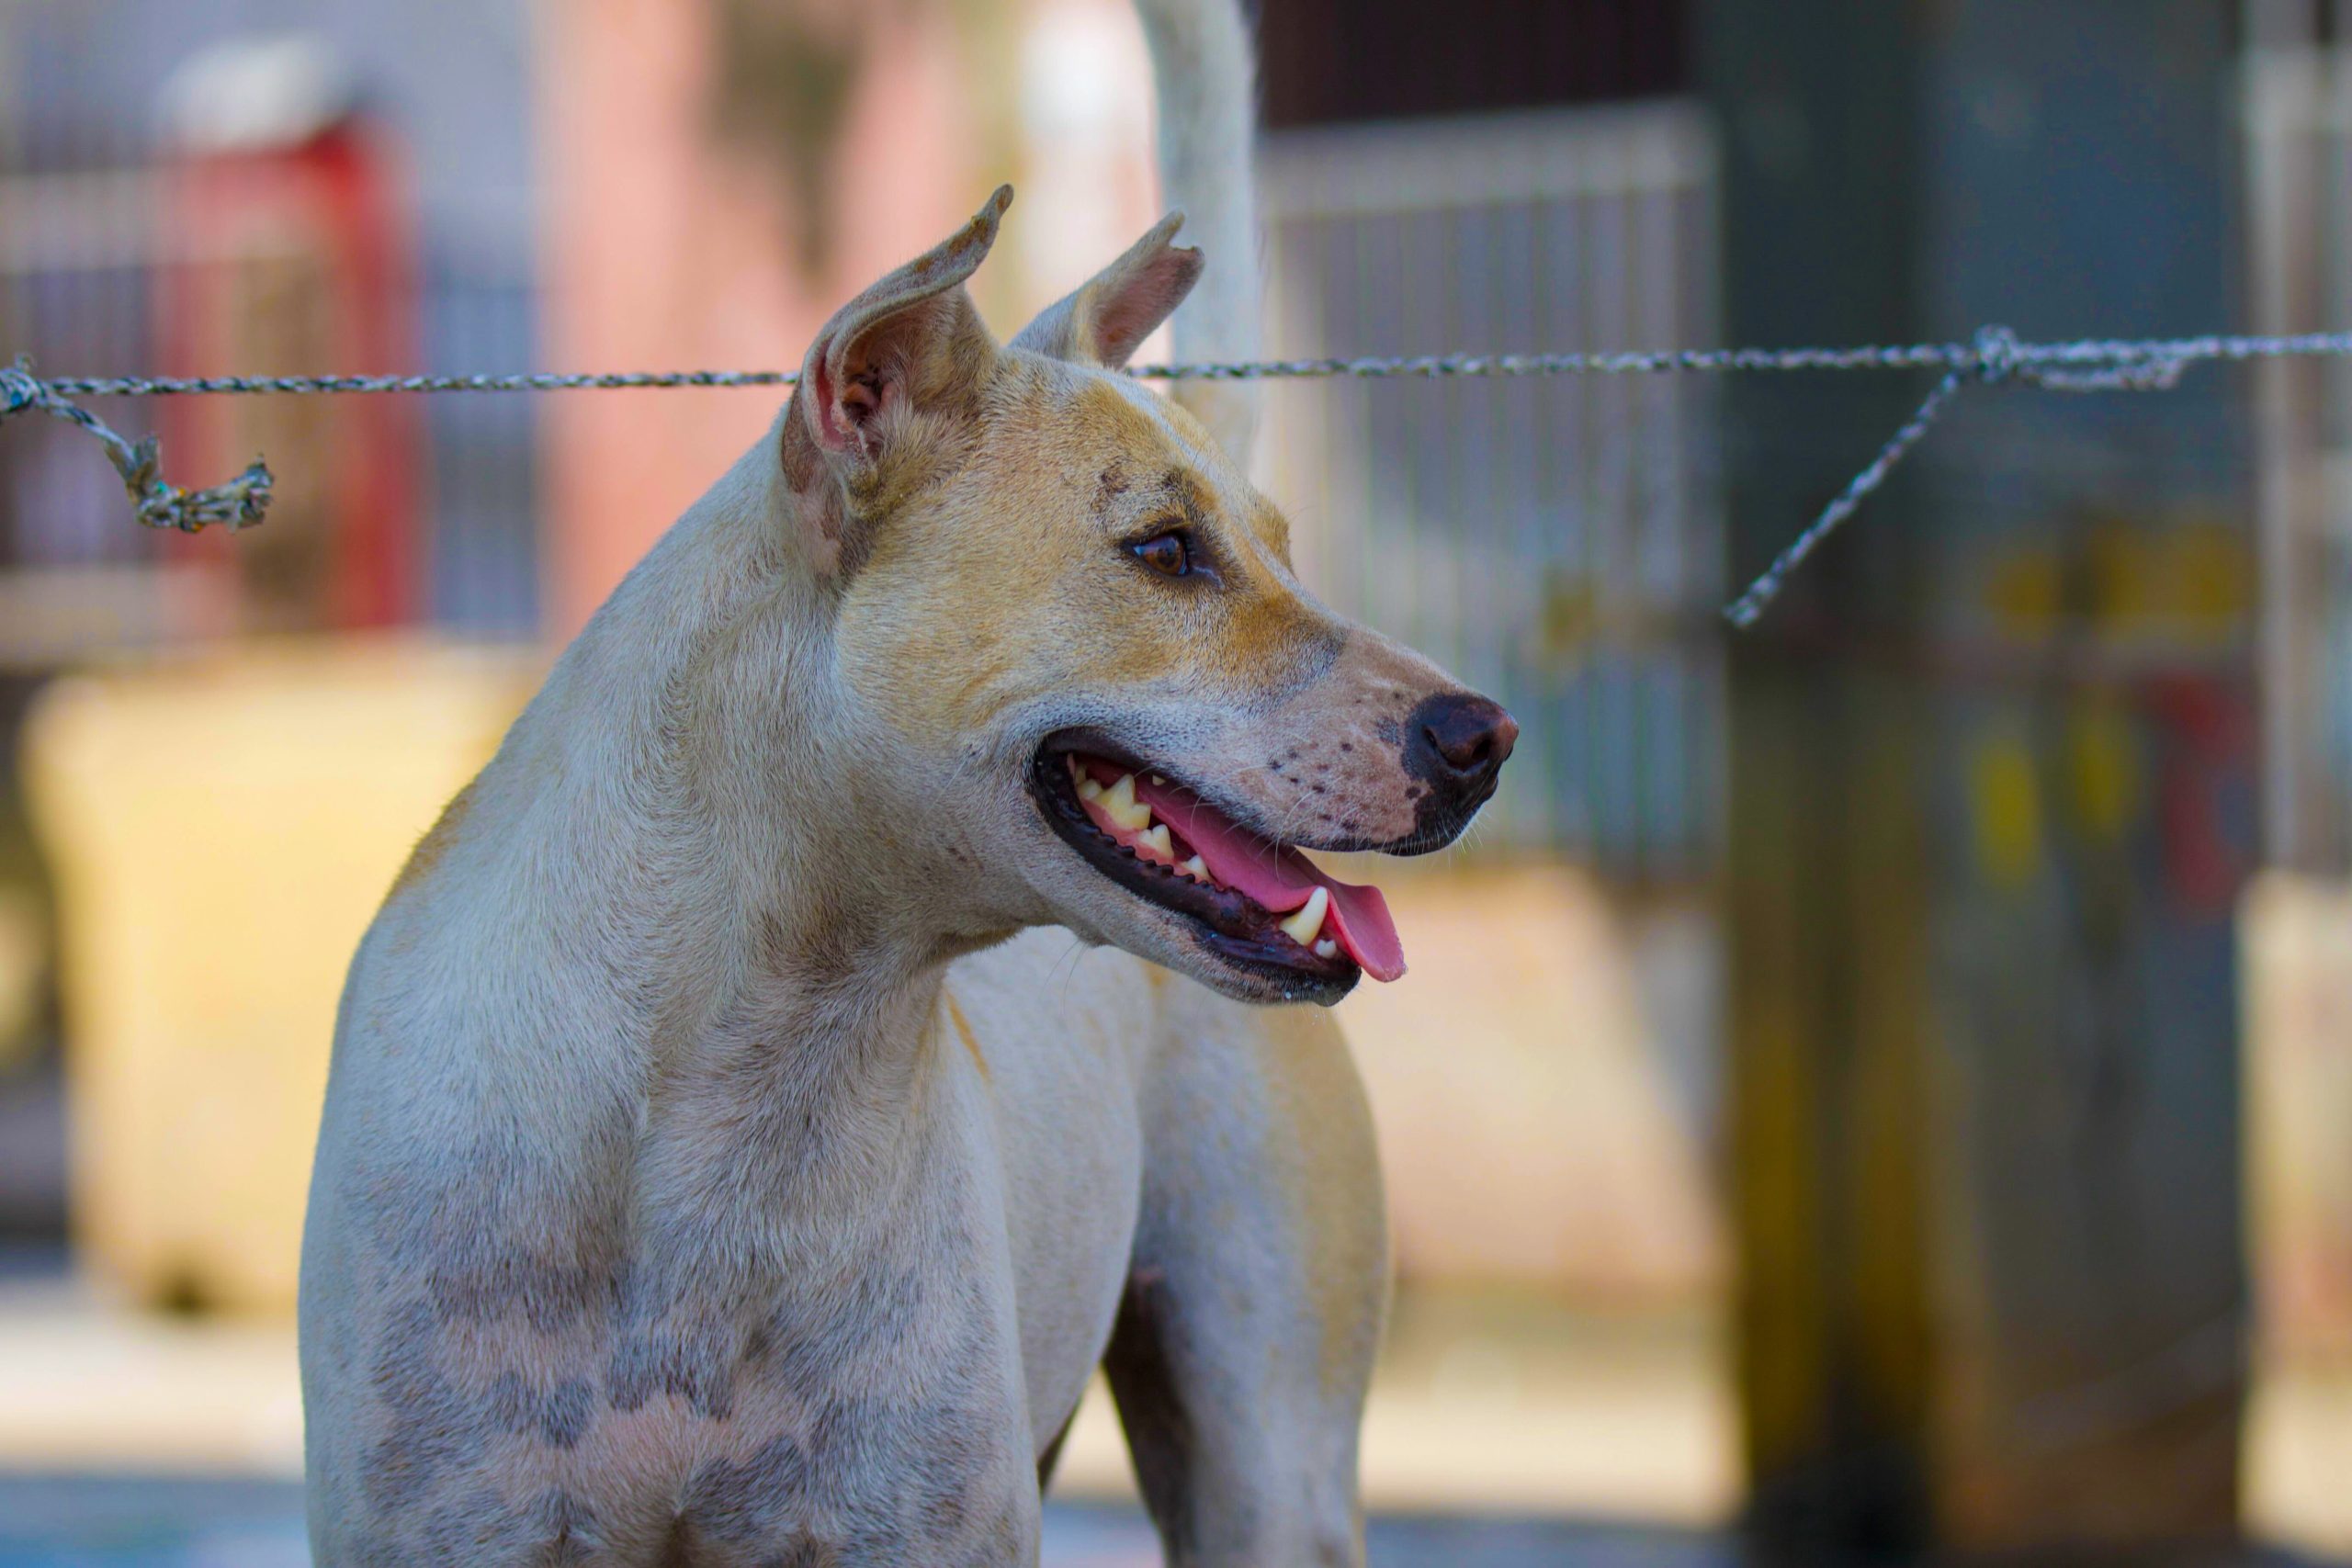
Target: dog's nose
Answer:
pixel 1465 739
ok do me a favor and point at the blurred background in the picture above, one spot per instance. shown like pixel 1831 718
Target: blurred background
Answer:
pixel 1875 1087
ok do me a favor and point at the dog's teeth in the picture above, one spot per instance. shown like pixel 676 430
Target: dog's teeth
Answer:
pixel 1196 868
pixel 1154 845
pixel 1087 789
pixel 1326 948
pixel 1307 924
pixel 1120 805
pixel 1158 780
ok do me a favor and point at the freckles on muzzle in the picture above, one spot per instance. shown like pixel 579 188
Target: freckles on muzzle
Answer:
pixel 1385 768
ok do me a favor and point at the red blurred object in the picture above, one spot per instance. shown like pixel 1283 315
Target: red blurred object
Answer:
pixel 2209 729
pixel 293 259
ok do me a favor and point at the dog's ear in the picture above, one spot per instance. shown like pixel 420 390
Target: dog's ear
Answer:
pixel 1110 315
pixel 907 352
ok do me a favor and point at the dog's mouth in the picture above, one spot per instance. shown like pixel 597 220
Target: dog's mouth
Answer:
pixel 1256 904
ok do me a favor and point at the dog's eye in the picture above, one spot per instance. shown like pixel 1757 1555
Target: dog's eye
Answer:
pixel 1168 554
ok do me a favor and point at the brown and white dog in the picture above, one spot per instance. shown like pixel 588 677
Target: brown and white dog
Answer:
pixel 711 1170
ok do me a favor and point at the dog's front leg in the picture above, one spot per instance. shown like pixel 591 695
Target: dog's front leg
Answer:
pixel 1245 1340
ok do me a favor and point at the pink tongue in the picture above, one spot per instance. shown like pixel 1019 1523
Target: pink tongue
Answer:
pixel 1277 876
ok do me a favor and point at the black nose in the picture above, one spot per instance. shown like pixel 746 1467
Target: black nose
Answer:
pixel 1461 742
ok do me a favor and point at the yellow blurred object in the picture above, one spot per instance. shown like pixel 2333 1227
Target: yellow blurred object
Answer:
pixel 2025 589
pixel 2103 760
pixel 222 830
pixel 22 953
pixel 2006 802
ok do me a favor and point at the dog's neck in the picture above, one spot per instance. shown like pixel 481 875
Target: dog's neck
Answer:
pixel 683 795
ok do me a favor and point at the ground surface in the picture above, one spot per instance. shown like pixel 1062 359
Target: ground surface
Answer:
pixel 1483 1404
pixel 128 1438
pixel 119 1522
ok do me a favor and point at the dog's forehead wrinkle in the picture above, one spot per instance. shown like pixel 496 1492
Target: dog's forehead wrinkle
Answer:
pixel 1136 394
pixel 1129 452
pixel 1132 413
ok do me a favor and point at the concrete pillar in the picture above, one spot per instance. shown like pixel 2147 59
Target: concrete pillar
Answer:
pixel 1991 788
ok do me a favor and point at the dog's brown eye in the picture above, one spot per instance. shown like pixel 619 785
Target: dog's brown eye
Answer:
pixel 1166 554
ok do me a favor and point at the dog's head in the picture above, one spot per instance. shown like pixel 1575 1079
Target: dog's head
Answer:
pixel 1088 689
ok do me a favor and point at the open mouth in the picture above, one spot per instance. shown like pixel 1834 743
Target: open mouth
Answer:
pixel 1257 904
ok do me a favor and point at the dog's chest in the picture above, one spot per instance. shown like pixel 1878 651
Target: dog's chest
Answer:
pixel 628 1387
pixel 873 1419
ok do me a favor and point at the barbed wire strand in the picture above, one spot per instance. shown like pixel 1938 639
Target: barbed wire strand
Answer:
pixel 240 504
pixel 1743 611
pixel 1994 356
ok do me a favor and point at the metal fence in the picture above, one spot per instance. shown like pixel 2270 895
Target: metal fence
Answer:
pixel 1555 540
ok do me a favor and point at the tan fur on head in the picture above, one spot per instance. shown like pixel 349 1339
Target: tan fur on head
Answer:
pixel 985 500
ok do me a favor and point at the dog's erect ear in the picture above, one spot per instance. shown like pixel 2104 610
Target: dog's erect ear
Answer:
pixel 1110 315
pixel 910 343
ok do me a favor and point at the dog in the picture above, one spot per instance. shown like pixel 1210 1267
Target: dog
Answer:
pixel 724 1158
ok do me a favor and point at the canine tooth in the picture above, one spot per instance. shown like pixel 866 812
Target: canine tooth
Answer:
pixel 1326 948
pixel 1119 804
pixel 1196 868
pixel 1307 924
pixel 1155 842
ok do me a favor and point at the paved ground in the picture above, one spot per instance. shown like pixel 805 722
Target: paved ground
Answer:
pixel 122 1522
pixel 1499 1426
pixel 1497 1406
pixel 132 1438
